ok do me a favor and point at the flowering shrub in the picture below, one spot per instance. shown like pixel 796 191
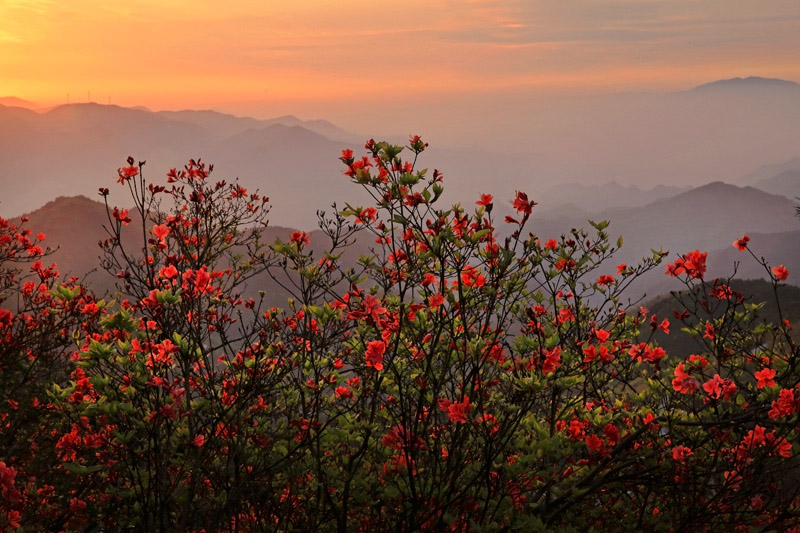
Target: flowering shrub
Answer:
pixel 39 314
pixel 466 374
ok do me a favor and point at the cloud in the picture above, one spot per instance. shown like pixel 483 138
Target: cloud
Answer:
pixel 403 48
pixel 7 37
pixel 37 6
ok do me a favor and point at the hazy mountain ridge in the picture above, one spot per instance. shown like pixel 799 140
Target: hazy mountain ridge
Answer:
pixel 708 218
pixel 768 171
pixel 701 217
pixel 13 101
pixel 75 225
pixel 225 125
pixel 74 149
pixel 680 139
pixel 787 183
pixel 681 344
pixel 748 82
pixel 596 198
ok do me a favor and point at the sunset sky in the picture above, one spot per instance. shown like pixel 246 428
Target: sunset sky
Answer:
pixel 362 62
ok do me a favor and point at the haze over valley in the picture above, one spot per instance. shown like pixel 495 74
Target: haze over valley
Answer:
pixel 640 149
pixel 710 164
pixel 677 121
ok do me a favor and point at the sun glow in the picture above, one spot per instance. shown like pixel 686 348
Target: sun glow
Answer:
pixel 272 54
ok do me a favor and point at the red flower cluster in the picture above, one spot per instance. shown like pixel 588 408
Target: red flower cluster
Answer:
pixel 374 354
pixel 457 412
pixel 781 273
pixel 693 264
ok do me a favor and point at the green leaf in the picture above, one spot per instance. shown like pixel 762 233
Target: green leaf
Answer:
pixel 75 468
pixel 478 235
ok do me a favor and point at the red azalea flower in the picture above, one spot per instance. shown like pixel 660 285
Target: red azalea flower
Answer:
pixel 717 388
pixel 374 354
pixel 565 264
pixel 602 335
pixel 121 215
pixel 344 392
pixel 456 411
pixel 693 264
pixel 436 300
pixel 126 173
pixel 522 204
pixel 486 200
pixel 161 231
pixel 605 279
pixel 168 272
pixel 471 277
pixel 781 272
pixel 595 444
pixel 683 382
pixel 366 215
pixel 552 360
pixel 764 378
pixel 681 453
pixel 300 237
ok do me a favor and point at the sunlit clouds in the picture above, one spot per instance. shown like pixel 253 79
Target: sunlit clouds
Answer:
pixel 262 58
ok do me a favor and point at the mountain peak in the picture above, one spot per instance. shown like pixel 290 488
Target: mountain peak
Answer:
pixel 754 82
pixel 66 203
pixel 725 193
pixel 13 101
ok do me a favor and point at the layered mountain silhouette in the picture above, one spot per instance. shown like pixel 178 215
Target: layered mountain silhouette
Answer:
pixel 13 101
pixel 787 183
pixel 768 171
pixel 751 82
pixel 704 217
pixel 708 218
pixel 681 344
pixel 596 198
pixel 714 132
pixel 75 149
pixel 658 159
pixel 74 227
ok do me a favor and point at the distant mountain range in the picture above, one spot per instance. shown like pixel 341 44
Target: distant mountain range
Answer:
pixel 704 217
pixel 73 149
pixel 643 148
pixel 596 198
pixel 74 226
pixel 13 101
pixel 681 344
pixel 709 218
pixel 749 82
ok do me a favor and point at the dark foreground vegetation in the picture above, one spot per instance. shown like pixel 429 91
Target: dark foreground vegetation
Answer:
pixel 466 375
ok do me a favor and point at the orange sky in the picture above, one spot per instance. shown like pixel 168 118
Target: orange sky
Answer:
pixel 349 60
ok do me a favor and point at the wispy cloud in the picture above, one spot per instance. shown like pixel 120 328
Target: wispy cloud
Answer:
pixel 410 47
pixel 37 6
pixel 9 37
